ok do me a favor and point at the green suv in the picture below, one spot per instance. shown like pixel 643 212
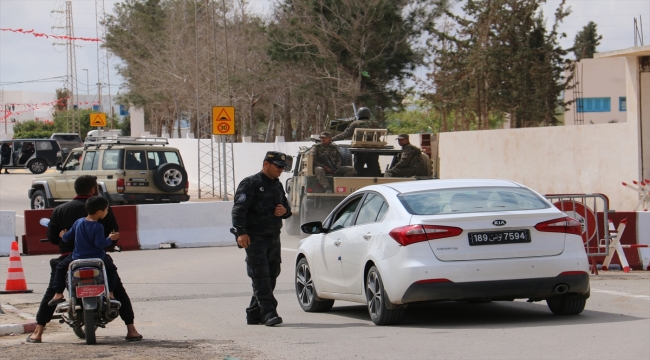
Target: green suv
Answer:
pixel 129 171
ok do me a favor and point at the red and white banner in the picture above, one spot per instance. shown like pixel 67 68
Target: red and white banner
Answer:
pixel 47 36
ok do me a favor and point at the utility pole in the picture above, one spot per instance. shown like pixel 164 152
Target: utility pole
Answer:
pixel 72 66
pixel 103 68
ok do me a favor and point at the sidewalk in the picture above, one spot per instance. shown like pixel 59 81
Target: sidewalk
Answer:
pixel 14 321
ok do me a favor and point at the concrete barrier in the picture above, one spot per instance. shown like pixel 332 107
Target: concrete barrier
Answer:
pixel 643 236
pixel 34 232
pixel 7 231
pixel 185 225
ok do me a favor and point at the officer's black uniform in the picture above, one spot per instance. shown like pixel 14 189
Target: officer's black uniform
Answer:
pixel 253 214
pixel 62 218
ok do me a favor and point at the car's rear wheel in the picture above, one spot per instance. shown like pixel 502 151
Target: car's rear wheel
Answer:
pixel 38 200
pixel 170 177
pixel 378 301
pixel 37 166
pixel 565 305
pixel 306 292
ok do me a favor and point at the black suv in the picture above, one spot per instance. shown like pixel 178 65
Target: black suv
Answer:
pixel 34 154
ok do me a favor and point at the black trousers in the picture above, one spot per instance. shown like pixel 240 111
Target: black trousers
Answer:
pixel 45 312
pixel 263 266
pixel 366 164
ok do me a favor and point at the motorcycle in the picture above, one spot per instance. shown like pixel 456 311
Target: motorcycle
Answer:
pixel 89 305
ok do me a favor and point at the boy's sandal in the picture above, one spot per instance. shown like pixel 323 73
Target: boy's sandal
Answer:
pixel 30 340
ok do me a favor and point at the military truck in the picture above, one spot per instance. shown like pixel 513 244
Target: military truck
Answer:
pixel 308 199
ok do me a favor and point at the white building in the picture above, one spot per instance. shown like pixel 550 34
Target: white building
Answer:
pixel 600 92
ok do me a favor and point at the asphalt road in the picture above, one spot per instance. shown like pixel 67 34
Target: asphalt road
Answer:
pixel 189 303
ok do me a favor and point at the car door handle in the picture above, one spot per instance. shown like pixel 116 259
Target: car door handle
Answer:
pixel 143 172
pixel 337 243
pixel 367 236
pixel 73 177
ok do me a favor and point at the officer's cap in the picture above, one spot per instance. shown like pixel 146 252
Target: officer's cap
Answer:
pixel 403 136
pixel 276 157
pixel 325 134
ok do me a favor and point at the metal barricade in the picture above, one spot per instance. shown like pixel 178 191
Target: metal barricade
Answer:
pixel 585 209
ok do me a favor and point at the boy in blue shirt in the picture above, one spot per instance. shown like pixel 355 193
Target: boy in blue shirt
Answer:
pixel 89 243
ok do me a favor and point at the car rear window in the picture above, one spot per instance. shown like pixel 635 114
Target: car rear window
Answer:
pixel 470 200
pixel 68 138
pixel 157 158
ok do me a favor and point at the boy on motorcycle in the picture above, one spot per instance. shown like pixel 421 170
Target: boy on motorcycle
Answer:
pixel 89 240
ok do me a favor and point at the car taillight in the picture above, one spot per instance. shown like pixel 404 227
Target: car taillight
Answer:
pixel 120 185
pixel 187 187
pixel 411 234
pixel 567 225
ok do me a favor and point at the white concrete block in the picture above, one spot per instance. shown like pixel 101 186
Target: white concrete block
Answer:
pixel 185 224
pixel 7 231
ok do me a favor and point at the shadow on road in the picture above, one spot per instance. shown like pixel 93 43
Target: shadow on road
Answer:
pixel 458 315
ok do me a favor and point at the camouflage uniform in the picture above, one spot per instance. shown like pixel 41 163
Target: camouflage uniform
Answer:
pixel 333 153
pixel 409 163
pixel 361 161
pixel 253 214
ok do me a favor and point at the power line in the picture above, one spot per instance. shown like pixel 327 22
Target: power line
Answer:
pixel 36 80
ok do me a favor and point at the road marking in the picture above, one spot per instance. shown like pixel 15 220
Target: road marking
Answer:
pixel 22 216
pixel 289 249
pixel 646 297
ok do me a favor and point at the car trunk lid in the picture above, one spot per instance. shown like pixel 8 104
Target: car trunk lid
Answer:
pixel 495 235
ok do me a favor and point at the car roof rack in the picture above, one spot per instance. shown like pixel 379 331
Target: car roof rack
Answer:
pixel 126 140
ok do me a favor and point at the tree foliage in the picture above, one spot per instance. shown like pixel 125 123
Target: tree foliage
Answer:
pixel 498 61
pixel 586 42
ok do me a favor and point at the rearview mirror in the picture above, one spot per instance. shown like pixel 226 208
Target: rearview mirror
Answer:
pixel 44 222
pixel 314 227
pixel 59 167
pixel 289 161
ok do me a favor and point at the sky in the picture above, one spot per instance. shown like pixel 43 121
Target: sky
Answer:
pixel 24 58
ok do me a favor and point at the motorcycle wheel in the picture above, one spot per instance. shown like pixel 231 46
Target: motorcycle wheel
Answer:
pixel 89 327
pixel 79 331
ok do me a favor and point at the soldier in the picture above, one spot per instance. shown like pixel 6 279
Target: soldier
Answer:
pixel 362 160
pixel 321 153
pixel 260 206
pixel 409 162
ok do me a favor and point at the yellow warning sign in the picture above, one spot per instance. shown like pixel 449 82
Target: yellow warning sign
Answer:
pixel 97 119
pixel 223 120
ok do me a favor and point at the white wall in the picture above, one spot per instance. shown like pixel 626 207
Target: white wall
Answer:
pixel 603 77
pixel 551 160
pixel 7 231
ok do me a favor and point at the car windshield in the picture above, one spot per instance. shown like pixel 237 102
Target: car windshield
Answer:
pixel 471 200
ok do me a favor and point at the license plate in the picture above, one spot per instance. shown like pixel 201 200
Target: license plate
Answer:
pixel 499 237
pixel 137 184
pixel 90 291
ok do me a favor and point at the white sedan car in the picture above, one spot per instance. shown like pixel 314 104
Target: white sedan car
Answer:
pixel 442 240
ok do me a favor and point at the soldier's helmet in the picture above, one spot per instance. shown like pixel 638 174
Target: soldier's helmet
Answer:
pixel 363 113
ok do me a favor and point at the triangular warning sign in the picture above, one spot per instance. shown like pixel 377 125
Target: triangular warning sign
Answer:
pixel 98 120
pixel 223 116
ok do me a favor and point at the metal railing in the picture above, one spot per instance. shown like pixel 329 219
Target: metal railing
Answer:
pixel 585 209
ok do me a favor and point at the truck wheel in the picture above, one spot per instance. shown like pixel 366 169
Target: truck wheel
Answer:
pixel 38 200
pixel 346 156
pixel 170 177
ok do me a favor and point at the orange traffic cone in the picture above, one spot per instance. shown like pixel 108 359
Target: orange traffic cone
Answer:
pixel 15 277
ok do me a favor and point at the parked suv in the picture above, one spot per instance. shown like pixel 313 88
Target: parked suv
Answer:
pixel 67 142
pixel 34 154
pixel 129 171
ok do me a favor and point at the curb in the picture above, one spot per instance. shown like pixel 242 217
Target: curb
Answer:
pixel 26 327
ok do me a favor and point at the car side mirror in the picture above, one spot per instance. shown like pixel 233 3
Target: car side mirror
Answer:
pixel 59 167
pixel 289 161
pixel 314 227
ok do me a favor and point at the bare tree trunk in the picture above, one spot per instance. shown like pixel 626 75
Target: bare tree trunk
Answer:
pixel 251 119
pixel 288 130
pixel 444 119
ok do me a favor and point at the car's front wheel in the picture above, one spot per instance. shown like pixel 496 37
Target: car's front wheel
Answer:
pixel 378 301
pixel 306 292
pixel 566 305
pixel 38 200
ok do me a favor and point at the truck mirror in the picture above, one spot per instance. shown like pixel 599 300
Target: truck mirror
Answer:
pixel 289 161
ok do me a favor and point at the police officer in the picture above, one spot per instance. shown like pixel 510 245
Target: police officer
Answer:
pixel 364 164
pixel 333 166
pixel 63 217
pixel 410 161
pixel 260 206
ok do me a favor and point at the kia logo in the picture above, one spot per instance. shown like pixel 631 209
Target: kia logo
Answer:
pixel 498 222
